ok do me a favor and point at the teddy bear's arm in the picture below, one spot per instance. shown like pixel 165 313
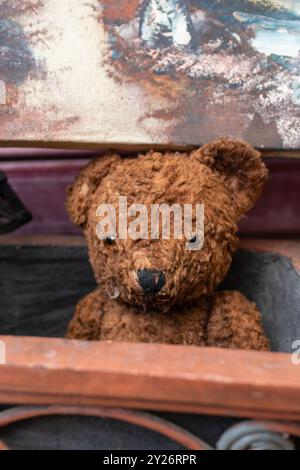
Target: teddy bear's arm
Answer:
pixel 235 323
pixel 86 322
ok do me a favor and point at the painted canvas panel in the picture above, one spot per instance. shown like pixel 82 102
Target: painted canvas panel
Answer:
pixel 170 72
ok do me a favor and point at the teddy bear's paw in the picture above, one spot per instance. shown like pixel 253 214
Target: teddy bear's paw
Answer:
pixel 235 323
pixel 86 323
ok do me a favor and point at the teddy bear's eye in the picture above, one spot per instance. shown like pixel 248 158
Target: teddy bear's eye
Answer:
pixel 193 239
pixel 111 240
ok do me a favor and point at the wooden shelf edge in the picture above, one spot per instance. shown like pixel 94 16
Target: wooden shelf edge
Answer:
pixel 150 376
pixel 125 146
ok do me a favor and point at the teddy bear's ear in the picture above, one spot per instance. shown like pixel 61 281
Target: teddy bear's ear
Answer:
pixel 241 167
pixel 80 192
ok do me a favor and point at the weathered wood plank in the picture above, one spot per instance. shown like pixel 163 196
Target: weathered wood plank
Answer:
pixel 149 376
pixel 272 215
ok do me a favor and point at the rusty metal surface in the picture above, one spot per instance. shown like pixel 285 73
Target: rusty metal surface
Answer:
pixel 259 435
pixel 246 435
pixel 145 72
pixel 146 420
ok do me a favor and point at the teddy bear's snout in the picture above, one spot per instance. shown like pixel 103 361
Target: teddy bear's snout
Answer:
pixel 151 280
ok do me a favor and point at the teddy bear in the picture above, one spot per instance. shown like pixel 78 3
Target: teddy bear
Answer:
pixel 156 290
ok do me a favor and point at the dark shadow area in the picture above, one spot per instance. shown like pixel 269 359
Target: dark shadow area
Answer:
pixel 40 286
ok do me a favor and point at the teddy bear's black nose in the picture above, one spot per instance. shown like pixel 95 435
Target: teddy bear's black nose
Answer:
pixel 151 280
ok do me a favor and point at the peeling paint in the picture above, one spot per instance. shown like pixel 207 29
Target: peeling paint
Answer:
pixel 16 55
pixel 165 22
pixel 243 63
pixel 170 72
pixel 296 92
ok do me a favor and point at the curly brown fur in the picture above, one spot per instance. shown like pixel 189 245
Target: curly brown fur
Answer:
pixel 98 317
pixel 227 177
pixel 235 323
pixel 228 320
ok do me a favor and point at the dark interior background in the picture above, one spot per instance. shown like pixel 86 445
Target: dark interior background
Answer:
pixel 40 286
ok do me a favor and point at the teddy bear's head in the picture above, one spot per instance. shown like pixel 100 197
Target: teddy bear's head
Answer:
pixel 158 272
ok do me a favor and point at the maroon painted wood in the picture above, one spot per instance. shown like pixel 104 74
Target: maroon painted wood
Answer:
pixel 42 183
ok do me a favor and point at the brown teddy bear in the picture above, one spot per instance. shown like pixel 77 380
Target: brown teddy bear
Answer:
pixel 157 290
